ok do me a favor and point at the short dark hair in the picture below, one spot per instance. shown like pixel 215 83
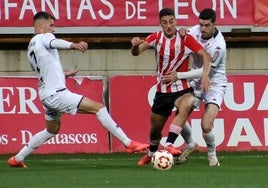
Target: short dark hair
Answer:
pixel 166 12
pixel 43 15
pixel 208 14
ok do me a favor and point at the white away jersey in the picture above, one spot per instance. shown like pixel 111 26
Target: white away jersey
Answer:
pixel 216 47
pixel 45 62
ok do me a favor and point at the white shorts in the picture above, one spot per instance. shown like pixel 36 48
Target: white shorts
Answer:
pixel 62 102
pixel 214 95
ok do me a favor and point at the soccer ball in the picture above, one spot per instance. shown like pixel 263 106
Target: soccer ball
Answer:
pixel 162 160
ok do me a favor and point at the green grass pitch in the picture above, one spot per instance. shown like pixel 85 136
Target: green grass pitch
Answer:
pixel 238 169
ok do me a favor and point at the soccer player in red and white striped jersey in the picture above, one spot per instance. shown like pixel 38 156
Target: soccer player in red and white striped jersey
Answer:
pixel 172 55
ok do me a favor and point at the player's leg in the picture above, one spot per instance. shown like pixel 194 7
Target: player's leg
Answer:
pixel 55 105
pixel 186 133
pixel 35 142
pixel 184 105
pixel 157 123
pixel 208 118
pixel 90 106
pixel 191 144
pixel 213 100
pixel 161 110
pixel 93 107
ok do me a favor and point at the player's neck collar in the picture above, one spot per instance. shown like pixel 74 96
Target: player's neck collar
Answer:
pixel 216 32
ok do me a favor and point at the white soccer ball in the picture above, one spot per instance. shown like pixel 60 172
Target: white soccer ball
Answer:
pixel 162 160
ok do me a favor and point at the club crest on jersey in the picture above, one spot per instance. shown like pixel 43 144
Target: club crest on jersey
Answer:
pixel 206 45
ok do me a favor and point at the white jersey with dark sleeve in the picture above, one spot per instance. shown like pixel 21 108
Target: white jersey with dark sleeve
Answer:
pixel 216 47
pixel 45 61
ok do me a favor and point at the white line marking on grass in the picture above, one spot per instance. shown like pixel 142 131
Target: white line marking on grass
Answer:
pixel 131 159
pixel 136 158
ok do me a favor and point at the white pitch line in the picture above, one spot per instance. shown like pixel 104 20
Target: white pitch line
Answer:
pixel 130 159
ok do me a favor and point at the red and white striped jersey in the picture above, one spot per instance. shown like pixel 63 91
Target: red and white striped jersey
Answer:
pixel 172 54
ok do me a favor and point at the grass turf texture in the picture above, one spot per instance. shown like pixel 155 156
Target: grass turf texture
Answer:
pixel 245 169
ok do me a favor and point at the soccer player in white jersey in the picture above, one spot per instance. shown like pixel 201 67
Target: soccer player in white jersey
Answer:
pixel 213 42
pixel 171 52
pixel 55 97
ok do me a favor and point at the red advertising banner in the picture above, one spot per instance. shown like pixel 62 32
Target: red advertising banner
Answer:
pixel 261 12
pixel 241 125
pixel 111 13
pixel 22 115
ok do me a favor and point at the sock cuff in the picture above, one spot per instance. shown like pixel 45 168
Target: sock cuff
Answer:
pixel 102 110
pixel 49 135
pixel 210 133
pixel 175 128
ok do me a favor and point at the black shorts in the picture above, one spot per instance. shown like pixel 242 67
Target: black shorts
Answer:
pixel 164 102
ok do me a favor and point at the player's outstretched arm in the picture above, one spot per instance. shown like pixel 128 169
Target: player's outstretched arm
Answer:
pixel 54 43
pixel 82 46
pixel 138 46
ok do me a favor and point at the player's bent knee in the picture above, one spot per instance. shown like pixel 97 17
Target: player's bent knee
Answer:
pixel 206 128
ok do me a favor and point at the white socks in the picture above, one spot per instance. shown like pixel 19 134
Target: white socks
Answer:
pixel 36 141
pixel 210 141
pixel 186 133
pixel 42 136
pixel 107 122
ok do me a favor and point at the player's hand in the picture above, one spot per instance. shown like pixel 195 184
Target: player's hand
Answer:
pixel 135 41
pixel 82 46
pixel 205 84
pixel 182 31
pixel 69 73
pixel 170 77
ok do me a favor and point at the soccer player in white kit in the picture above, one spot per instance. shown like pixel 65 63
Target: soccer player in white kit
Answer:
pixel 55 97
pixel 213 42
